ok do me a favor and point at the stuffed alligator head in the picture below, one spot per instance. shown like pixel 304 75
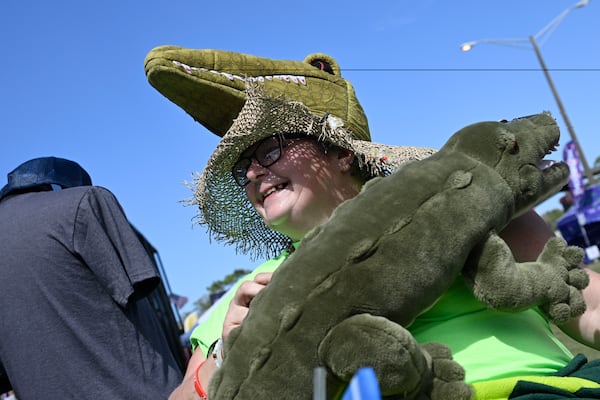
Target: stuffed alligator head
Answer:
pixel 210 85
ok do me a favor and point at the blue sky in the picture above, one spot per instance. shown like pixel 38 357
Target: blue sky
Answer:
pixel 73 86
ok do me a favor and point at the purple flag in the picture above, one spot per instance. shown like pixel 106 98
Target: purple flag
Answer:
pixel 571 157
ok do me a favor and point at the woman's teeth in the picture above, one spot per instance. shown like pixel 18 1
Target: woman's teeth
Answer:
pixel 273 190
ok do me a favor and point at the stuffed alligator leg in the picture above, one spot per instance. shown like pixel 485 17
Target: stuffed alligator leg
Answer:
pixel 541 284
pixel 389 253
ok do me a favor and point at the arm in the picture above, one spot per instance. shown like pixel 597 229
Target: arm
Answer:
pixel 186 390
pixel 586 328
pixel 238 308
pixel 526 237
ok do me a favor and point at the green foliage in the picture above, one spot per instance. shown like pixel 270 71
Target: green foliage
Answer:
pixel 217 288
pixel 202 304
pixel 225 283
pixel 552 216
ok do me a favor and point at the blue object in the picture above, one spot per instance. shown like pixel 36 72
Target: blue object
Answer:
pixel 45 171
pixel 363 386
pixel 580 225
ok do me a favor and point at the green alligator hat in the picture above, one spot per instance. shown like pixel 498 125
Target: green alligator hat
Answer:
pixel 210 85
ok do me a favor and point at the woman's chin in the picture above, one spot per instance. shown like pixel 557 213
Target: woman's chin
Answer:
pixel 275 213
pixel 282 224
pixel 276 222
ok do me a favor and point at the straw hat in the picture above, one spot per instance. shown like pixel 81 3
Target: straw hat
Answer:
pixel 224 207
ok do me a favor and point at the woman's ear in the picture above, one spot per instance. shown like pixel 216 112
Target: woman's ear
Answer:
pixel 345 158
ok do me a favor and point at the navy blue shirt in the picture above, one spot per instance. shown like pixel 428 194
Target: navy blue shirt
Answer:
pixel 75 322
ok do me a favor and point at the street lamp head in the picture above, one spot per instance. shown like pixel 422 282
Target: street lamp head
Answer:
pixel 467 46
pixel 531 41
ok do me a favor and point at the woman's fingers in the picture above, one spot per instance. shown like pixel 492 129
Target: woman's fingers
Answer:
pixel 239 306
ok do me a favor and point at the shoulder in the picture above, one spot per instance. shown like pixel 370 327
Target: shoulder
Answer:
pixel 96 196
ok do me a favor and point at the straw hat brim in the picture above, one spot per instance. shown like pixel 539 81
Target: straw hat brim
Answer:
pixel 224 207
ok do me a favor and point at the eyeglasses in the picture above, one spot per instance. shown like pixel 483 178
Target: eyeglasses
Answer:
pixel 266 152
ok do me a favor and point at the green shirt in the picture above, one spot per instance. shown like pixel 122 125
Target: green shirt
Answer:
pixel 488 344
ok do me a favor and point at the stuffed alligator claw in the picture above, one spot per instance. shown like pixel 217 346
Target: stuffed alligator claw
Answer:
pixel 405 367
pixel 553 281
pixel 389 253
pixel 572 303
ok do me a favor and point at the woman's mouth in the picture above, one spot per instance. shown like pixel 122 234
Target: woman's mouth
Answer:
pixel 273 190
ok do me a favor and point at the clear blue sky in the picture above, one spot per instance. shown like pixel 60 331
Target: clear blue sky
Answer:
pixel 73 86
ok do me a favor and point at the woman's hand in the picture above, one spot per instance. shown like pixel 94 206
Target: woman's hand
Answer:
pixel 239 306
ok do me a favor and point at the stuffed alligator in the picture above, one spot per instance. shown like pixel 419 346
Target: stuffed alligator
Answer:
pixel 454 202
pixel 379 270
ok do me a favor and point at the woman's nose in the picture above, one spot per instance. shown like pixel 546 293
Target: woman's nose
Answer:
pixel 255 170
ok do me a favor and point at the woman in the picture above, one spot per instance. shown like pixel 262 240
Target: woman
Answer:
pixel 282 170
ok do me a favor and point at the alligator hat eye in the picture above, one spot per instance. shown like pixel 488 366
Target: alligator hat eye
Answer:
pixel 322 65
pixel 514 149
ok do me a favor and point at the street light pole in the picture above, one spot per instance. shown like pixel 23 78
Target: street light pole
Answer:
pixel 586 168
pixel 532 39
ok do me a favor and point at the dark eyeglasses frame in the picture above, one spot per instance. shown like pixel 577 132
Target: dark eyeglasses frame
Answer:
pixel 240 168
